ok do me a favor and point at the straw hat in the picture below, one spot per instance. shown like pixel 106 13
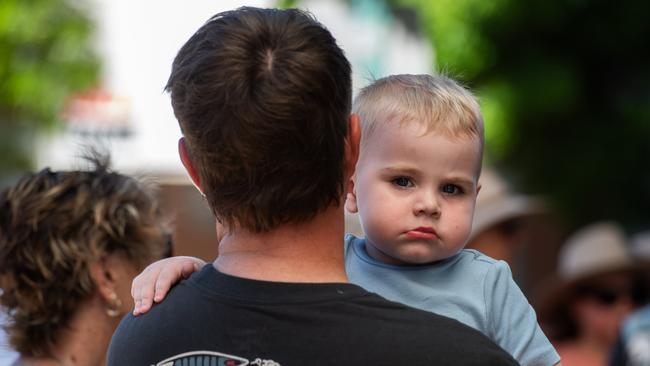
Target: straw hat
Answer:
pixel 593 251
pixel 596 249
pixel 497 203
pixel 640 245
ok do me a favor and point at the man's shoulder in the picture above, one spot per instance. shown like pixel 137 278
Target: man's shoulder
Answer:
pixel 448 337
pixel 351 321
pixel 165 324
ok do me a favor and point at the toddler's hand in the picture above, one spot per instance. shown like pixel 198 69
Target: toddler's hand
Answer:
pixel 154 282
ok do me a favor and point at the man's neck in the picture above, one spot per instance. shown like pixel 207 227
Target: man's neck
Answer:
pixel 307 252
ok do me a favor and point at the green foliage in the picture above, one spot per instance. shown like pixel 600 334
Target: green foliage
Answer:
pixel 565 87
pixel 461 47
pixel 45 56
pixel 286 4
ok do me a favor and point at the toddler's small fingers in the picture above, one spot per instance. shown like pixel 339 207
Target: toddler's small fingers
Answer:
pixel 142 290
pixel 139 308
pixel 135 286
pixel 163 283
pixel 146 292
pixel 145 305
pixel 189 268
pixel 135 293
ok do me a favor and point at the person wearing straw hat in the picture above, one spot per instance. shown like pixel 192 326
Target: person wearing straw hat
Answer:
pixel 597 285
pixel 498 217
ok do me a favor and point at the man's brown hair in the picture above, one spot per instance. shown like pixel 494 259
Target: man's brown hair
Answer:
pixel 263 98
pixel 53 227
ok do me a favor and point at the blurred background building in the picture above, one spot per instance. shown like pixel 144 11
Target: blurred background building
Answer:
pixel 564 86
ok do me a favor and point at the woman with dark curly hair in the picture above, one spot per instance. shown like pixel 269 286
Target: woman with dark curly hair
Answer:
pixel 70 244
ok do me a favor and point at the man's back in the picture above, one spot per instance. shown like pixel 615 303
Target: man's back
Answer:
pixel 216 319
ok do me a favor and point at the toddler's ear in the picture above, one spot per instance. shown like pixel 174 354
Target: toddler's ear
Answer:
pixel 351 198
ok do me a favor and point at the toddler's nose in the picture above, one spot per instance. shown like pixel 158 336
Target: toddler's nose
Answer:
pixel 427 204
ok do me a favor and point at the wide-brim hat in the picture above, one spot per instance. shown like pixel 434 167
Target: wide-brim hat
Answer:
pixel 597 250
pixel 497 203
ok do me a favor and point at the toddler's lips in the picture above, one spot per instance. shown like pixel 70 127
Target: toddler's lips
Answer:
pixel 425 233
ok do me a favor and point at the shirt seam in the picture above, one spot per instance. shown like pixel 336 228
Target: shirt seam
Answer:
pixel 487 306
pixel 209 293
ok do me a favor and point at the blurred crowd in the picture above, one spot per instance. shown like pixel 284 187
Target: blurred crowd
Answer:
pixel 591 297
pixel 592 301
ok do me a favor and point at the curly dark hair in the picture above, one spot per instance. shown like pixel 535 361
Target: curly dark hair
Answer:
pixel 53 226
pixel 263 97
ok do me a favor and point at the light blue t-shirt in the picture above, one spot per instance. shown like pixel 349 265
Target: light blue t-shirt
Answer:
pixel 7 356
pixel 470 287
pixel 636 337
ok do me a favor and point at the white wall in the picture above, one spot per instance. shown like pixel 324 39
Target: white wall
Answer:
pixel 139 39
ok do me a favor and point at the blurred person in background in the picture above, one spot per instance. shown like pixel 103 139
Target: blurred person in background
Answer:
pixel 499 217
pixel 70 245
pixel 633 346
pixel 597 286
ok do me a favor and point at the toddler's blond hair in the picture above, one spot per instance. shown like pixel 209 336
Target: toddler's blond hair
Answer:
pixel 437 101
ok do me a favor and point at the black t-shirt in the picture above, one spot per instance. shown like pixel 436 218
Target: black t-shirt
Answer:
pixel 216 319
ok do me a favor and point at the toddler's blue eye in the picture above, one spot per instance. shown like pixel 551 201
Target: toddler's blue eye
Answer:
pixel 451 189
pixel 402 181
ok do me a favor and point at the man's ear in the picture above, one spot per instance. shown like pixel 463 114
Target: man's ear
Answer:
pixel 351 198
pixel 186 159
pixel 352 145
